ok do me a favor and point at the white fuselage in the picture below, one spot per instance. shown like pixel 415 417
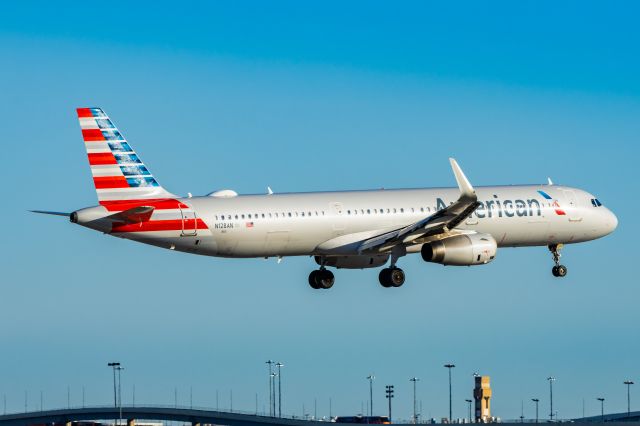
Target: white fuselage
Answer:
pixel 325 223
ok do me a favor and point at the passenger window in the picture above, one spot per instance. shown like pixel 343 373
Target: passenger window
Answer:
pixel 309 214
pixel 402 210
pixel 236 216
pixel 368 211
pixel 395 211
pixel 349 212
pixel 422 209
pixel 289 214
pixel 249 215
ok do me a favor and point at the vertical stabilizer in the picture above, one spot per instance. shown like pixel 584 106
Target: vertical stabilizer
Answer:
pixel 118 173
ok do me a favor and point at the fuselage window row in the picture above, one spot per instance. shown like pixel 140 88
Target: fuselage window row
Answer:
pixel 354 212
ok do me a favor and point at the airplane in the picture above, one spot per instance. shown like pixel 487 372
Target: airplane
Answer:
pixel 461 226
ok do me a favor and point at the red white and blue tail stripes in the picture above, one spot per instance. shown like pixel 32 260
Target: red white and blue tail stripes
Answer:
pixel 118 173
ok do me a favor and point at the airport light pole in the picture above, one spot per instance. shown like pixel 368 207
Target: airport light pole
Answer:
pixel 628 383
pixel 551 379
pixel 536 400
pixel 469 402
pixel 601 409
pixel 279 365
pixel 273 392
pixel 370 377
pixel 270 363
pixel 415 416
pixel 389 392
pixel 449 367
pixel 119 368
pixel 114 365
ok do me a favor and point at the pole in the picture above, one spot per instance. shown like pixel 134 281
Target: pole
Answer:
pixel 279 365
pixel 120 393
pixel 551 379
pixel 536 400
pixel 270 363
pixel 415 416
pixel 450 366
pixel 601 409
pixel 389 391
pixel 114 365
pixel 371 377
pixel 628 383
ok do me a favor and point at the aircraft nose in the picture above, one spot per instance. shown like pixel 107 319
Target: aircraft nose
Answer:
pixel 611 221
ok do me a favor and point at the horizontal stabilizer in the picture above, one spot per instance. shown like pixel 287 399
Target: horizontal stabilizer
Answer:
pixel 51 213
pixel 134 215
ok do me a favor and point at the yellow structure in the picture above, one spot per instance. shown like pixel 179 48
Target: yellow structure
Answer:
pixel 482 396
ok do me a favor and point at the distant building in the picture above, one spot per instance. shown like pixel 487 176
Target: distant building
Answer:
pixel 482 396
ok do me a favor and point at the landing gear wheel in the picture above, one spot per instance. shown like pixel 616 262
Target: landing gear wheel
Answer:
pixel 397 277
pixel 391 277
pixel 325 279
pixel 561 270
pixel 313 279
pixel 321 278
pixel 385 278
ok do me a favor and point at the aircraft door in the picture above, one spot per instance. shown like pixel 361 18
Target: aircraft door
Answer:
pixel 189 223
pixel 338 218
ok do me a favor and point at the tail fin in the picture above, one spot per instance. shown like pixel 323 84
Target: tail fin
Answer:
pixel 118 173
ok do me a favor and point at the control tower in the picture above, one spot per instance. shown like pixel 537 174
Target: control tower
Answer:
pixel 482 396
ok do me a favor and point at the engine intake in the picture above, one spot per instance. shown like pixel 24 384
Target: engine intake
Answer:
pixel 461 250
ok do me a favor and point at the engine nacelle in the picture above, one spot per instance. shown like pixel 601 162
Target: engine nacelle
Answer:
pixel 354 262
pixel 461 250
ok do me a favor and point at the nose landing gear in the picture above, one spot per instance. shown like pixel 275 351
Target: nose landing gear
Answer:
pixel 558 270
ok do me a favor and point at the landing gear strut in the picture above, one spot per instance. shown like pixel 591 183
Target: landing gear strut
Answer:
pixel 558 270
pixel 391 277
pixel 321 278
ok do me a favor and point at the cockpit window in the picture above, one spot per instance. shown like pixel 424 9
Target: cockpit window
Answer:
pixel 598 203
pixel 595 202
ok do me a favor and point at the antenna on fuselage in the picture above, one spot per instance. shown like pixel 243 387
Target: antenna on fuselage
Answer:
pixel 549 181
pixel 269 190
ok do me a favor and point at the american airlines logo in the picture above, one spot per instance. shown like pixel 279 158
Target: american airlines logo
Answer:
pixel 503 208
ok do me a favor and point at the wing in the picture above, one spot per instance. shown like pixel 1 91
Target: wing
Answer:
pixel 440 222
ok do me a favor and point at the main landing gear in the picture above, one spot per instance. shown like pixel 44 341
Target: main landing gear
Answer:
pixel 321 278
pixel 558 270
pixel 391 277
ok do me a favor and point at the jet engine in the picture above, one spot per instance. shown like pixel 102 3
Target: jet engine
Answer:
pixel 354 262
pixel 461 250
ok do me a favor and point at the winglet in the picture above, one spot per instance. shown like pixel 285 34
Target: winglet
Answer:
pixel 463 183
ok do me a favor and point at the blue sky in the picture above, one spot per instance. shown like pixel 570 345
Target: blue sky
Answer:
pixel 318 96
